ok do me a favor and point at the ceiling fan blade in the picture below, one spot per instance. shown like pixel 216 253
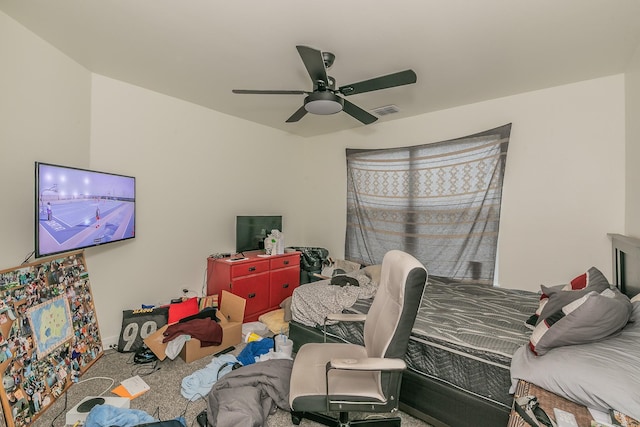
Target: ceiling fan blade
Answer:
pixel 358 113
pixel 297 115
pixel 270 92
pixel 312 59
pixel 383 82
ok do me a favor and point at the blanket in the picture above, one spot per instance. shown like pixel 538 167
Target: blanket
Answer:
pixel 248 395
pixel 311 303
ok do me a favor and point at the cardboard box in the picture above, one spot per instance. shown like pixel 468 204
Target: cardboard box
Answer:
pixel 230 315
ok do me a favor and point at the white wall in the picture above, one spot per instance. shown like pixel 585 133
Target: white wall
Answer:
pixel 195 170
pixel 564 182
pixel 44 116
pixel 632 97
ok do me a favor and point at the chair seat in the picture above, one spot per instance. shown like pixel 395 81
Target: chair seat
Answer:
pixel 308 391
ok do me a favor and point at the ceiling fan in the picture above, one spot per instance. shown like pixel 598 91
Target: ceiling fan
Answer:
pixel 324 98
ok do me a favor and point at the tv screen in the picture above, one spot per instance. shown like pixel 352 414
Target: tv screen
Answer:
pixel 252 230
pixel 77 208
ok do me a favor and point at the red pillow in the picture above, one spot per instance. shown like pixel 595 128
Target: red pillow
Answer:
pixel 182 309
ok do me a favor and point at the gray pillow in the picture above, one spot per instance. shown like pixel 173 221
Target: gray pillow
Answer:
pixel 593 279
pixel 558 297
pixel 593 276
pixel 592 317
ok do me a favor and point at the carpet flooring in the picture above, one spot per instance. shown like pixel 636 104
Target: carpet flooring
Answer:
pixel 164 400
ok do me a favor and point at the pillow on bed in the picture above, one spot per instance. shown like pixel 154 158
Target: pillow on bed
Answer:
pixel 592 317
pixel 557 298
pixel 593 276
pixel 286 306
pixel 592 279
pixel 373 272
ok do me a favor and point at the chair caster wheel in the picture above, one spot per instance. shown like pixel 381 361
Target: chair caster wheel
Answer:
pixel 295 419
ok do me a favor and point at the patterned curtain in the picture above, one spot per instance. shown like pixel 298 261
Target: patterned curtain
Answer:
pixel 439 202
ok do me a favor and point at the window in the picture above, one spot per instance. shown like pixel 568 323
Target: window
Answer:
pixel 440 202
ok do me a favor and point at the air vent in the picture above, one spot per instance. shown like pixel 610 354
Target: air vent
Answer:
pixel 386 110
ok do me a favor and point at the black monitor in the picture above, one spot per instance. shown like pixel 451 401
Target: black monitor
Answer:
pixel 251 230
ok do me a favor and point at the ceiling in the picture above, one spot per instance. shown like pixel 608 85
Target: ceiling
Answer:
pixel 463 51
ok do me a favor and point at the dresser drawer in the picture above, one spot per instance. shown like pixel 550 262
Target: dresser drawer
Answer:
pixel 283 282
pixel 254 289
pixel 249 267
pixel 285 261
pixel 262 281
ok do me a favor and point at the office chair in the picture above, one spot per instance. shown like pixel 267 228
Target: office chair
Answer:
pixel 343 378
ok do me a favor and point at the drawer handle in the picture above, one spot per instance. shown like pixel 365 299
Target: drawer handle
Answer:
pixel 252 295
pixel 285 262
pixel 285 285
pixel 252 268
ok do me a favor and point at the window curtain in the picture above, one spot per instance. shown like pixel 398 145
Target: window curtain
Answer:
pixel 439 202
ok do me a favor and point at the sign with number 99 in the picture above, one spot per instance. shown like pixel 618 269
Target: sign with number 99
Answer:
pixel 138 325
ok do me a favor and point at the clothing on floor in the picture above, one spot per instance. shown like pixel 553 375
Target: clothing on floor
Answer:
pixel 199 383
pixel 206 313
pixel 175 346
pixel 254 349
pixel 109 415
pixel 247 396
pixel 206 330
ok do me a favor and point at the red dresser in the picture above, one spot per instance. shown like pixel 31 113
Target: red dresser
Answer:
pixel 263 281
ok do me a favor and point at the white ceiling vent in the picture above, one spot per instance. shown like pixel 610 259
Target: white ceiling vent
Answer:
pixel 387 109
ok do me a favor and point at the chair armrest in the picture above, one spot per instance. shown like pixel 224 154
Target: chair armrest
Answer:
pixel 346 317
pixel 341 317
pixel 369 364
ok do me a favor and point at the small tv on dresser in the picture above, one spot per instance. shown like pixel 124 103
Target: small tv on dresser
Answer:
pixel 251 230
pixel 78 208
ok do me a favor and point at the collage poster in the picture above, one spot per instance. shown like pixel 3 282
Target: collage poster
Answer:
pixel 48 334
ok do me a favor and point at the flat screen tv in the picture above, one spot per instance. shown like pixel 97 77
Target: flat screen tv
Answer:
pixel 78 208
pixel 252 230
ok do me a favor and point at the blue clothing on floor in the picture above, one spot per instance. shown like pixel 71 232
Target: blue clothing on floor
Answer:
pixel 108 415
pixel 254 350
pixel 199 383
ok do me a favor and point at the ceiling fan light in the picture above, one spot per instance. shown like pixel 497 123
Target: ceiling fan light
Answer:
pixel 323 103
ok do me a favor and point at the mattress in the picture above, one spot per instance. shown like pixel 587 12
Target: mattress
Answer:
pixel 464 335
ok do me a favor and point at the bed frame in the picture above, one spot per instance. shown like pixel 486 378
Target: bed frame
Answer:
pixel 626 264
pixel 441 404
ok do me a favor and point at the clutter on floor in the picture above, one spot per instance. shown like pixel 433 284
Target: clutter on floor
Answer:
pixel 198 384
pixel 200 337
pixel 275 321
pixel 247 396
pixel 107 415
pixel 193 328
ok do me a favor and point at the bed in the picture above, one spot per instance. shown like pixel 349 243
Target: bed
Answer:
pixel 460 352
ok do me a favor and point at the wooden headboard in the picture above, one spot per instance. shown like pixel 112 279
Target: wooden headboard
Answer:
pixel 626 263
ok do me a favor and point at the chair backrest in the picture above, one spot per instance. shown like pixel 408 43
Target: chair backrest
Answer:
pixel 395 306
